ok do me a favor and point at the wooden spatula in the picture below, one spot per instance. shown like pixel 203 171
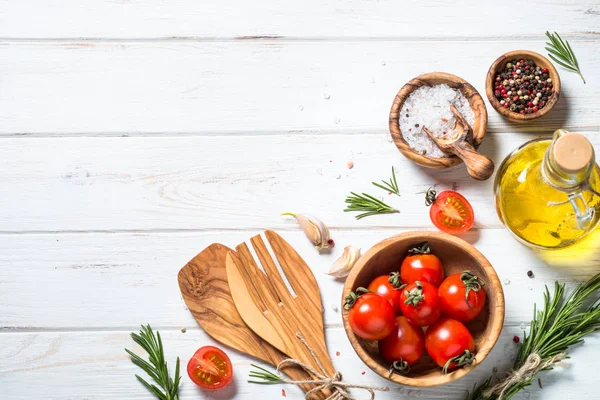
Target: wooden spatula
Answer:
pixel 479 166
pixel 269 308
pixel 203 284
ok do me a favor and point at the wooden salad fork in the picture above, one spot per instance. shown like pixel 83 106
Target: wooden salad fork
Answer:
pixel 266 305
pixel 479 166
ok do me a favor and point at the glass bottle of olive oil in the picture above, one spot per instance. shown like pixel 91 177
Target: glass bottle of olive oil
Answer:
pixel 548 191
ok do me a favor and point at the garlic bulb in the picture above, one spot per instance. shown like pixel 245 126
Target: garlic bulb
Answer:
pixel 314 229
pixel 343 265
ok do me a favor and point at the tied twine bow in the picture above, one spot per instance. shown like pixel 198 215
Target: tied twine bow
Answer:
pixel 322 381
pixel 533 364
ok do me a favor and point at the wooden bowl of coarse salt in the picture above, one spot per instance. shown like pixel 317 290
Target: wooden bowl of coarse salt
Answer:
pixel 425 100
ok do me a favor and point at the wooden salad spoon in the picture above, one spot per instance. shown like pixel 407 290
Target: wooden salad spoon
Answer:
pixel 280 316
pixel 479 166
pixel 203 284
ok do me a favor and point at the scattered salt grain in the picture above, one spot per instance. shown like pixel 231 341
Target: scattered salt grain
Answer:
pixel 430 106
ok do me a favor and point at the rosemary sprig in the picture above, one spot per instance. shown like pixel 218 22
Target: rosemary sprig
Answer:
pixel 561 323
pixel 560 52
pixel 268 378
pixel 391 186
pixel 367 203
pixel 156 368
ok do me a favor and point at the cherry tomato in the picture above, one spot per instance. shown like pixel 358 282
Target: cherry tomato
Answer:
pixel 450 344
pixel 210 368
pixel 450 211
pixel 387 286
pixel 462 296
pixel 370 316
pixel 406 343
pixel 421 265
pixel 420 303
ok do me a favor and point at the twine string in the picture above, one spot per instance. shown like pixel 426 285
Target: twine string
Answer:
pixel 533 364
pixel 323 381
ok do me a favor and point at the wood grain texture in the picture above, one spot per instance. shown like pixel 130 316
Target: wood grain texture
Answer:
pixel 456 256
pixel 205 290
pixel 281 316
pixel 432 79
pixel 66 365
pixel 182 183
pixel 539 60
pixel 182 87
pixel 313 19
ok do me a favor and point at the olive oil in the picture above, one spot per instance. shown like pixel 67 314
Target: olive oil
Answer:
pixel 548 192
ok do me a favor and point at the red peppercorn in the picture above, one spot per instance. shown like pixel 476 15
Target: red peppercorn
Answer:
pixel 516 339
pixel 536 109
pixel 503 91
pixel 521 61
pixel 527 67
pixel 331 243
pixel 530 104
pixel 522 112
pixel 497 93
pixel 545 70
pixel 528 91
pixel 497 79
pixel 505 105
pixel 515 98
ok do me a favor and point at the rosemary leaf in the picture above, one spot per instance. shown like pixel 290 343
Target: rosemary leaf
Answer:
pixel 367 204
pixel 560 51
pixel 391 186
pixel 561 323
pixel 155 367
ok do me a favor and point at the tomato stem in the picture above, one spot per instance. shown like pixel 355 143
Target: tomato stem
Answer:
pixel 400 367
pixel 415 296
pixel 422 248
pixel 353 296
pixel 430 196
pixel 472 282
pixel 465 358
pixel 395 280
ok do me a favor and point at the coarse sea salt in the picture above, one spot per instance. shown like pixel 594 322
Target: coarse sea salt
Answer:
pixel 430 106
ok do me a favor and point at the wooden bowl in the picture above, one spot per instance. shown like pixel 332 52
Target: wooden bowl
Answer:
pixel 431 79
pixel 456 256
pixel 540 61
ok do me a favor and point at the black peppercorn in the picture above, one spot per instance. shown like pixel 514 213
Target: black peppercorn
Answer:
pixel 530 274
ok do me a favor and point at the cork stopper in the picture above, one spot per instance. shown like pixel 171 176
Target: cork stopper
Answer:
pixel 573 153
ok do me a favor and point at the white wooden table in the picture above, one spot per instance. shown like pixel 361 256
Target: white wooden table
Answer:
pixel 134 134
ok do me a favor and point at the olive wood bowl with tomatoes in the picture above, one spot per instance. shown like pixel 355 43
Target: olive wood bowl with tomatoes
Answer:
pixel 451 263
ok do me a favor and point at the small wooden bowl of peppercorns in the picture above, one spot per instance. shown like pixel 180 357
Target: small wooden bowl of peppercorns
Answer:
pixel 522 85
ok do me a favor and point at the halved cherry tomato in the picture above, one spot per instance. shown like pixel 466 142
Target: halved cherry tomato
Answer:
pixel 420 303
pixel 388 287
pixel 450 211
pixel 421 265
pixel 210 368
pixel 449 344
pixel 462 296
pixel 404 346
pixel 370 316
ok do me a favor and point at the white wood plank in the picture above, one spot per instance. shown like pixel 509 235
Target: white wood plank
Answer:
pixel 100 88
pixel 232 182
pixel 312 18
pixel 93 365
pixel 100 281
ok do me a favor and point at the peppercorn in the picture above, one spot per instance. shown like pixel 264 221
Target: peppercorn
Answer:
pixel 530 273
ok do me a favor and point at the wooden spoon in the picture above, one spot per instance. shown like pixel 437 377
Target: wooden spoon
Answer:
pixel 269 308
pixel 203 284
pixel 479 166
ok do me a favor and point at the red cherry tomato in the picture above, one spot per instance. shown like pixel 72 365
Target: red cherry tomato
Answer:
pixel 420 303
pixel 210 368
pixel 450 344
pixel 422 266
pixel 370 316
pixel 450 211
pixel 406 344
pixel 462 296
pixel 387 286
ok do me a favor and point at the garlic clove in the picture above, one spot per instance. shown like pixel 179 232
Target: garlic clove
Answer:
pixel 343 265
pixel 314 229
